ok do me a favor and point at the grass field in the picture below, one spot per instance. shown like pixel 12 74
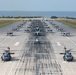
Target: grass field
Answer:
pixel 6 22
pixel 71 23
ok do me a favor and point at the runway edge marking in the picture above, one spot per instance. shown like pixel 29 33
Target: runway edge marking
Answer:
pixel 3 40
pixel 71 40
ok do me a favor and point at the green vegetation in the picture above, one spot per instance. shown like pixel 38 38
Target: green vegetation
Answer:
pixel 20 17
pixel 54 17
pixel 71 23
pixel 6 22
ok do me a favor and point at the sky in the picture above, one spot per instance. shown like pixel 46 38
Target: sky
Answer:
pixel 38 5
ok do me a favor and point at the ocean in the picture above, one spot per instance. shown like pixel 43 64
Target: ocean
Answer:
pixel 39 13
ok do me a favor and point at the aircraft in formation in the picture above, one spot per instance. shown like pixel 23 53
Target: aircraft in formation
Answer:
pixel 65 33
pixel 6 55
pixel 36 30
pixel 67 55
pixel 10 33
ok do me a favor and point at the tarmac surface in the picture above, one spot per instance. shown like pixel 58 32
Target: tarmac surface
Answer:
pixel 37 59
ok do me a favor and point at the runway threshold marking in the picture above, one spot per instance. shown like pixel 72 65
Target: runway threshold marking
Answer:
pixel 58 44
pixel 71 40
pixel 16 44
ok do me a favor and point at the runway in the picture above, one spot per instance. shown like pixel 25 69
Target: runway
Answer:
pixel 42 58
pixel 59 42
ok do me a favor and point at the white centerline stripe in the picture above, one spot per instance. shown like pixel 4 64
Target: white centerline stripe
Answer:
pixel 58 44
pixel 71 40
pixel 16 44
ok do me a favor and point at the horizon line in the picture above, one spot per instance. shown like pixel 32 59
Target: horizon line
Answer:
pixel 37 11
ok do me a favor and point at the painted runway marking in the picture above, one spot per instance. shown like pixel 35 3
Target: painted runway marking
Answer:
pixel 71 40
pixel 64 62
pixel 16 44
pixel 3 40
pixel 58 44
